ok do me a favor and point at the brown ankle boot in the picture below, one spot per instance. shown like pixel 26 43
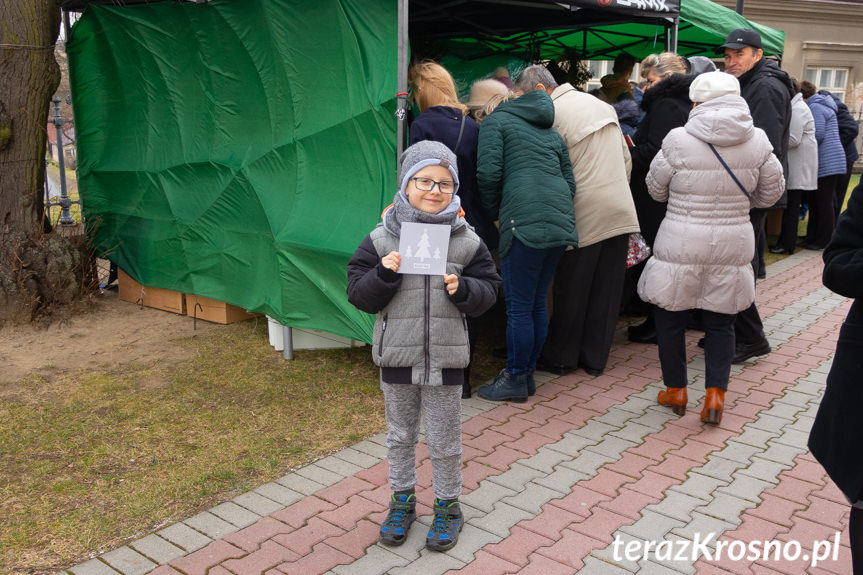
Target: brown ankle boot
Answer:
pixel 675 398
pixel 714 400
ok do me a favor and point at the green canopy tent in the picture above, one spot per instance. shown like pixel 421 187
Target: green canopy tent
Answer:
pixel 240 150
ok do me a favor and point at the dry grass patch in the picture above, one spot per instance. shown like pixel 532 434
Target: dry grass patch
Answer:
pixel 92 459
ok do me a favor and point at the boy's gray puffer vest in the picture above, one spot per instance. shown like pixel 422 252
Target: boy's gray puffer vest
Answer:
pixel 420 337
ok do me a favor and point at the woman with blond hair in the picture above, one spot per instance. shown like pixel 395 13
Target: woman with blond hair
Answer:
pixel 444 119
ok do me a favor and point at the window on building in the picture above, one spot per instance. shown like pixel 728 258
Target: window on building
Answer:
pixel 832 79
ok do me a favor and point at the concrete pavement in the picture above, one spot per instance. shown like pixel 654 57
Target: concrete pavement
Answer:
pixel 590 476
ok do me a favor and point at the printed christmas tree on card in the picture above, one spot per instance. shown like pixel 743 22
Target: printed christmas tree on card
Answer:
pixel 423 248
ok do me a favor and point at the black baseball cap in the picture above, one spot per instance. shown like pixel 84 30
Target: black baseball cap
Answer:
pixel 740 38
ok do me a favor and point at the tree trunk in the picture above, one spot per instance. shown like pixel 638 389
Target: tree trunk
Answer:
pixel 38 270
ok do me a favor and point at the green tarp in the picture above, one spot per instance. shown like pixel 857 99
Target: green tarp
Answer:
pixel 238 150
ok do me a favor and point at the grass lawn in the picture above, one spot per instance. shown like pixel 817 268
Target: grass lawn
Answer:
pixel 53 171
pixel 90 460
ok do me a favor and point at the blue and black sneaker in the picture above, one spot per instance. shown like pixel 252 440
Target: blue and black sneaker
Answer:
pixel 446 525
pixel 403 511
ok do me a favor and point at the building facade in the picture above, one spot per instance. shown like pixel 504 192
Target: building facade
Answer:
pixel 823 42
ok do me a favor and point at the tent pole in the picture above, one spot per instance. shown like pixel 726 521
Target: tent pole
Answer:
pixel 739 8
pixel 672 36
pixel 402 78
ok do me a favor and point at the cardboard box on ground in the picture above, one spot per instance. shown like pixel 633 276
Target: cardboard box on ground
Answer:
pixel 158 298
pixel 185 304
pixel 215 310
pixel 220 312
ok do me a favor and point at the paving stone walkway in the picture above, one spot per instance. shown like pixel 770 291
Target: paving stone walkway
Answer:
pixel 590 476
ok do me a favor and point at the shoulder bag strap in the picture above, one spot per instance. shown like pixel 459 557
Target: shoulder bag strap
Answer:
pixel 724 165
pixel 460 132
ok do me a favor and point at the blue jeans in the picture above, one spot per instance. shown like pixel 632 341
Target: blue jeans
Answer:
pixel 526 273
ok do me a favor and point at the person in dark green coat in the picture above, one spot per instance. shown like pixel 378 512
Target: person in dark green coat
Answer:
pixel 525 183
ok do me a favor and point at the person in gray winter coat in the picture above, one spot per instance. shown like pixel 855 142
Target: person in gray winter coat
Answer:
pixel 420 336
pixel 710 172
pixel 802 175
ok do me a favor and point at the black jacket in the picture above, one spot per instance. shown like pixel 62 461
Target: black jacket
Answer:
pixel 835 436
pixel 768 91
pixel 667 106
pixel 442 124
pixel 848 128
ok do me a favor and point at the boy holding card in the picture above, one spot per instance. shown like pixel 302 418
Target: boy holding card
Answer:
pixel 420 336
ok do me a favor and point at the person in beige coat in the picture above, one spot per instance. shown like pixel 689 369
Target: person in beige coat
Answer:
pixel 589 279
pixel 711 172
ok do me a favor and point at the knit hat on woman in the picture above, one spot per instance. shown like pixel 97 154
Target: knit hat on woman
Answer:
pixel 710 85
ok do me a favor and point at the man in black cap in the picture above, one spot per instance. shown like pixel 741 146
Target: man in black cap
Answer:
pixel 768 91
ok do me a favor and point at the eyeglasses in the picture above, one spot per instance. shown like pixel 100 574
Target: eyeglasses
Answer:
pixel 428 184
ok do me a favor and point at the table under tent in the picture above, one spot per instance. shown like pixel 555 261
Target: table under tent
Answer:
pixel 240 150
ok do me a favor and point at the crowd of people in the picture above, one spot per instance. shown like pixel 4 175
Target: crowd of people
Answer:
pixel 544 188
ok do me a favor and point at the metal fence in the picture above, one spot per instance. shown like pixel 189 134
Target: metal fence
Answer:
pixel 65 201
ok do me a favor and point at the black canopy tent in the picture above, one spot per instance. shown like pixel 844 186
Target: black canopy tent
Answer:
pixel 540 29
pixel 481 20
pixel 502 18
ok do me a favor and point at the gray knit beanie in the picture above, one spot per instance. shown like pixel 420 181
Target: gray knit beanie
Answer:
pixel 422 154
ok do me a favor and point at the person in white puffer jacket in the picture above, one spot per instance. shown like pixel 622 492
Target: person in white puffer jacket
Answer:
pixel 703 250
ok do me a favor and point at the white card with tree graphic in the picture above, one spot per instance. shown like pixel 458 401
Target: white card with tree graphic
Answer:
pixel 423 248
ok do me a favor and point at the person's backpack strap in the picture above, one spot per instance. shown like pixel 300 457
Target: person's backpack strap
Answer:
pixel 724 165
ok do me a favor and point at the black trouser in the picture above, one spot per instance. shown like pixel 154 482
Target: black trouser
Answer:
pixel 790 221
pixel 842 181
pixel 586 303
pixel 821 215
pixel 760 248
pixel 855 531
pixel 718 346
pixel 748 328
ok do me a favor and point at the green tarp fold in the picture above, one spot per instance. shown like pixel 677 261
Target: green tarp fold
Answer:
pixel 238 150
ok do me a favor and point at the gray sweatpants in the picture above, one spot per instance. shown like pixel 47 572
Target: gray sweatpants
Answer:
pixel 441 409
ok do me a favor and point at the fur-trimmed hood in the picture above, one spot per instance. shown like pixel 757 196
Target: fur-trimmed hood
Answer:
pixel 675 86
